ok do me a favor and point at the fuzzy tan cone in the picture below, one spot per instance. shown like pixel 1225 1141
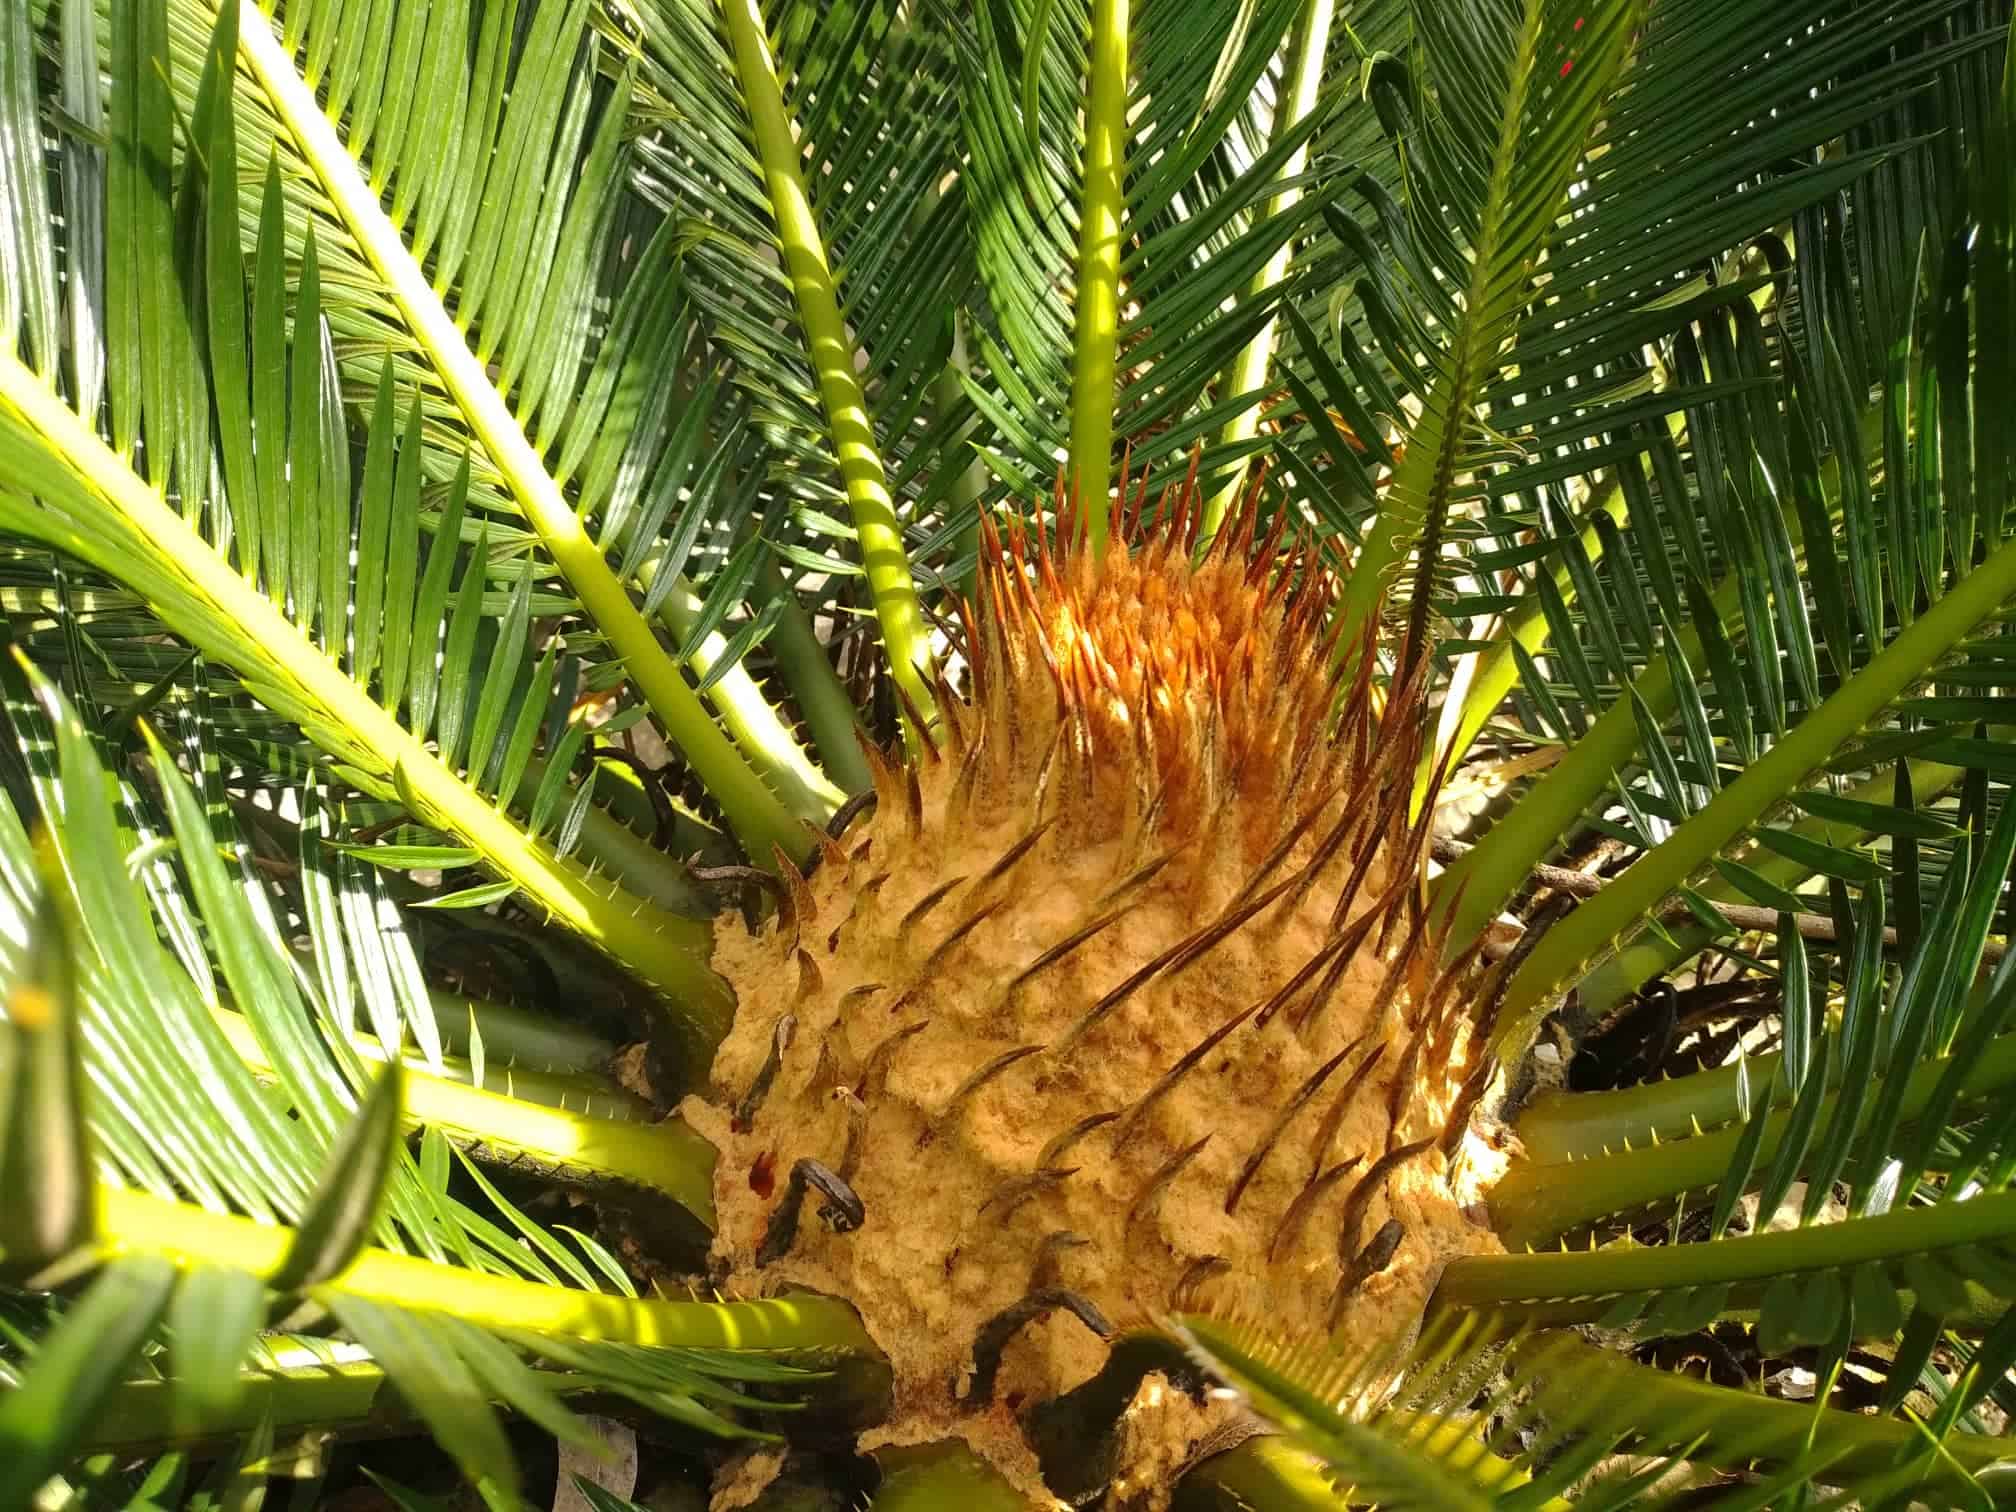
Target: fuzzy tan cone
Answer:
pixel 1125 998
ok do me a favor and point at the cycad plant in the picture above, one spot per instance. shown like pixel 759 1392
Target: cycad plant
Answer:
pixel 1246 755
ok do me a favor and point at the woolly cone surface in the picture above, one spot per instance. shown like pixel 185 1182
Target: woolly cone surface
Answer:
pixel 1122 999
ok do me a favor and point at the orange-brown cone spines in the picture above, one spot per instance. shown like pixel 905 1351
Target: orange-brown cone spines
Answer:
pixel 1124 998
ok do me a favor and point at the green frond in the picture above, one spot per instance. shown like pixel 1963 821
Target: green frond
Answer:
pixel 1505 132
pixel 1480 1416
pixel 472 474
pixel 1800 1283
pixel 1299 91
pixel 1977 598
pixel 1626 1180
pixel 832 353
pixel 1682 598
pixel 1095 305
pixel 337 1205
pixel 756 813
pixel 90 502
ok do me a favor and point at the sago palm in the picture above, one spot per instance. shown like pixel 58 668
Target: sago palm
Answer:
pixel 1248 755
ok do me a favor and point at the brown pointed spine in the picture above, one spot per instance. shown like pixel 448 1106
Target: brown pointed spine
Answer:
pixel 1009 1196
pixel 751 1101
pixel 810 980
pixel 1289 1229
pixel 1064 1139
pixel 1333 1117
pixel 1014 853
pixel 875 1077
pixel 825 1073
pixel 925 904
pixel 1157 1186
pixel 1279 1126
pixel 982 1074
pixel 1137 1116
pixel 960 805
pixel 1377 1254
pixel 1285 994
pixel 857 1126
pixel 1050 1257
pixel 917 722
pixel 1408 957
pixel 1195 1275
pixel 1344 950
pixel 1142 874
pixel 1467 1097
pixel 1400 1097
pixel 1063 948
pixel 887 782
pixel 1370 1185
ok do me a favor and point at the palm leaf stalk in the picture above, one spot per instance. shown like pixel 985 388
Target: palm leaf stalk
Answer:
pixel 665 950
pixel 334 1396
pixel 1535 1288
pixel 1096 296
pixel 514 1126
pixel 918 1480
pixel 1564 952
pixel 1651 953
pixel 1626 1179
pixel 1519 195
pixel 756 814
pixel 1302 80
pixel 750 718
pixel 828 711
pixel 133 1224
pixel 883 554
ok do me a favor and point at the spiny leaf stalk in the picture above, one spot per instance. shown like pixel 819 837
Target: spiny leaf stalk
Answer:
pixel 136 1224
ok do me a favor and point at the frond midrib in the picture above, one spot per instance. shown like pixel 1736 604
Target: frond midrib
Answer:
pixel 758 816
pixel 668 951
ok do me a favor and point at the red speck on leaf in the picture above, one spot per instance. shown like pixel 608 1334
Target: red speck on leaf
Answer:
pixel 1578 22
pixel 1566 66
